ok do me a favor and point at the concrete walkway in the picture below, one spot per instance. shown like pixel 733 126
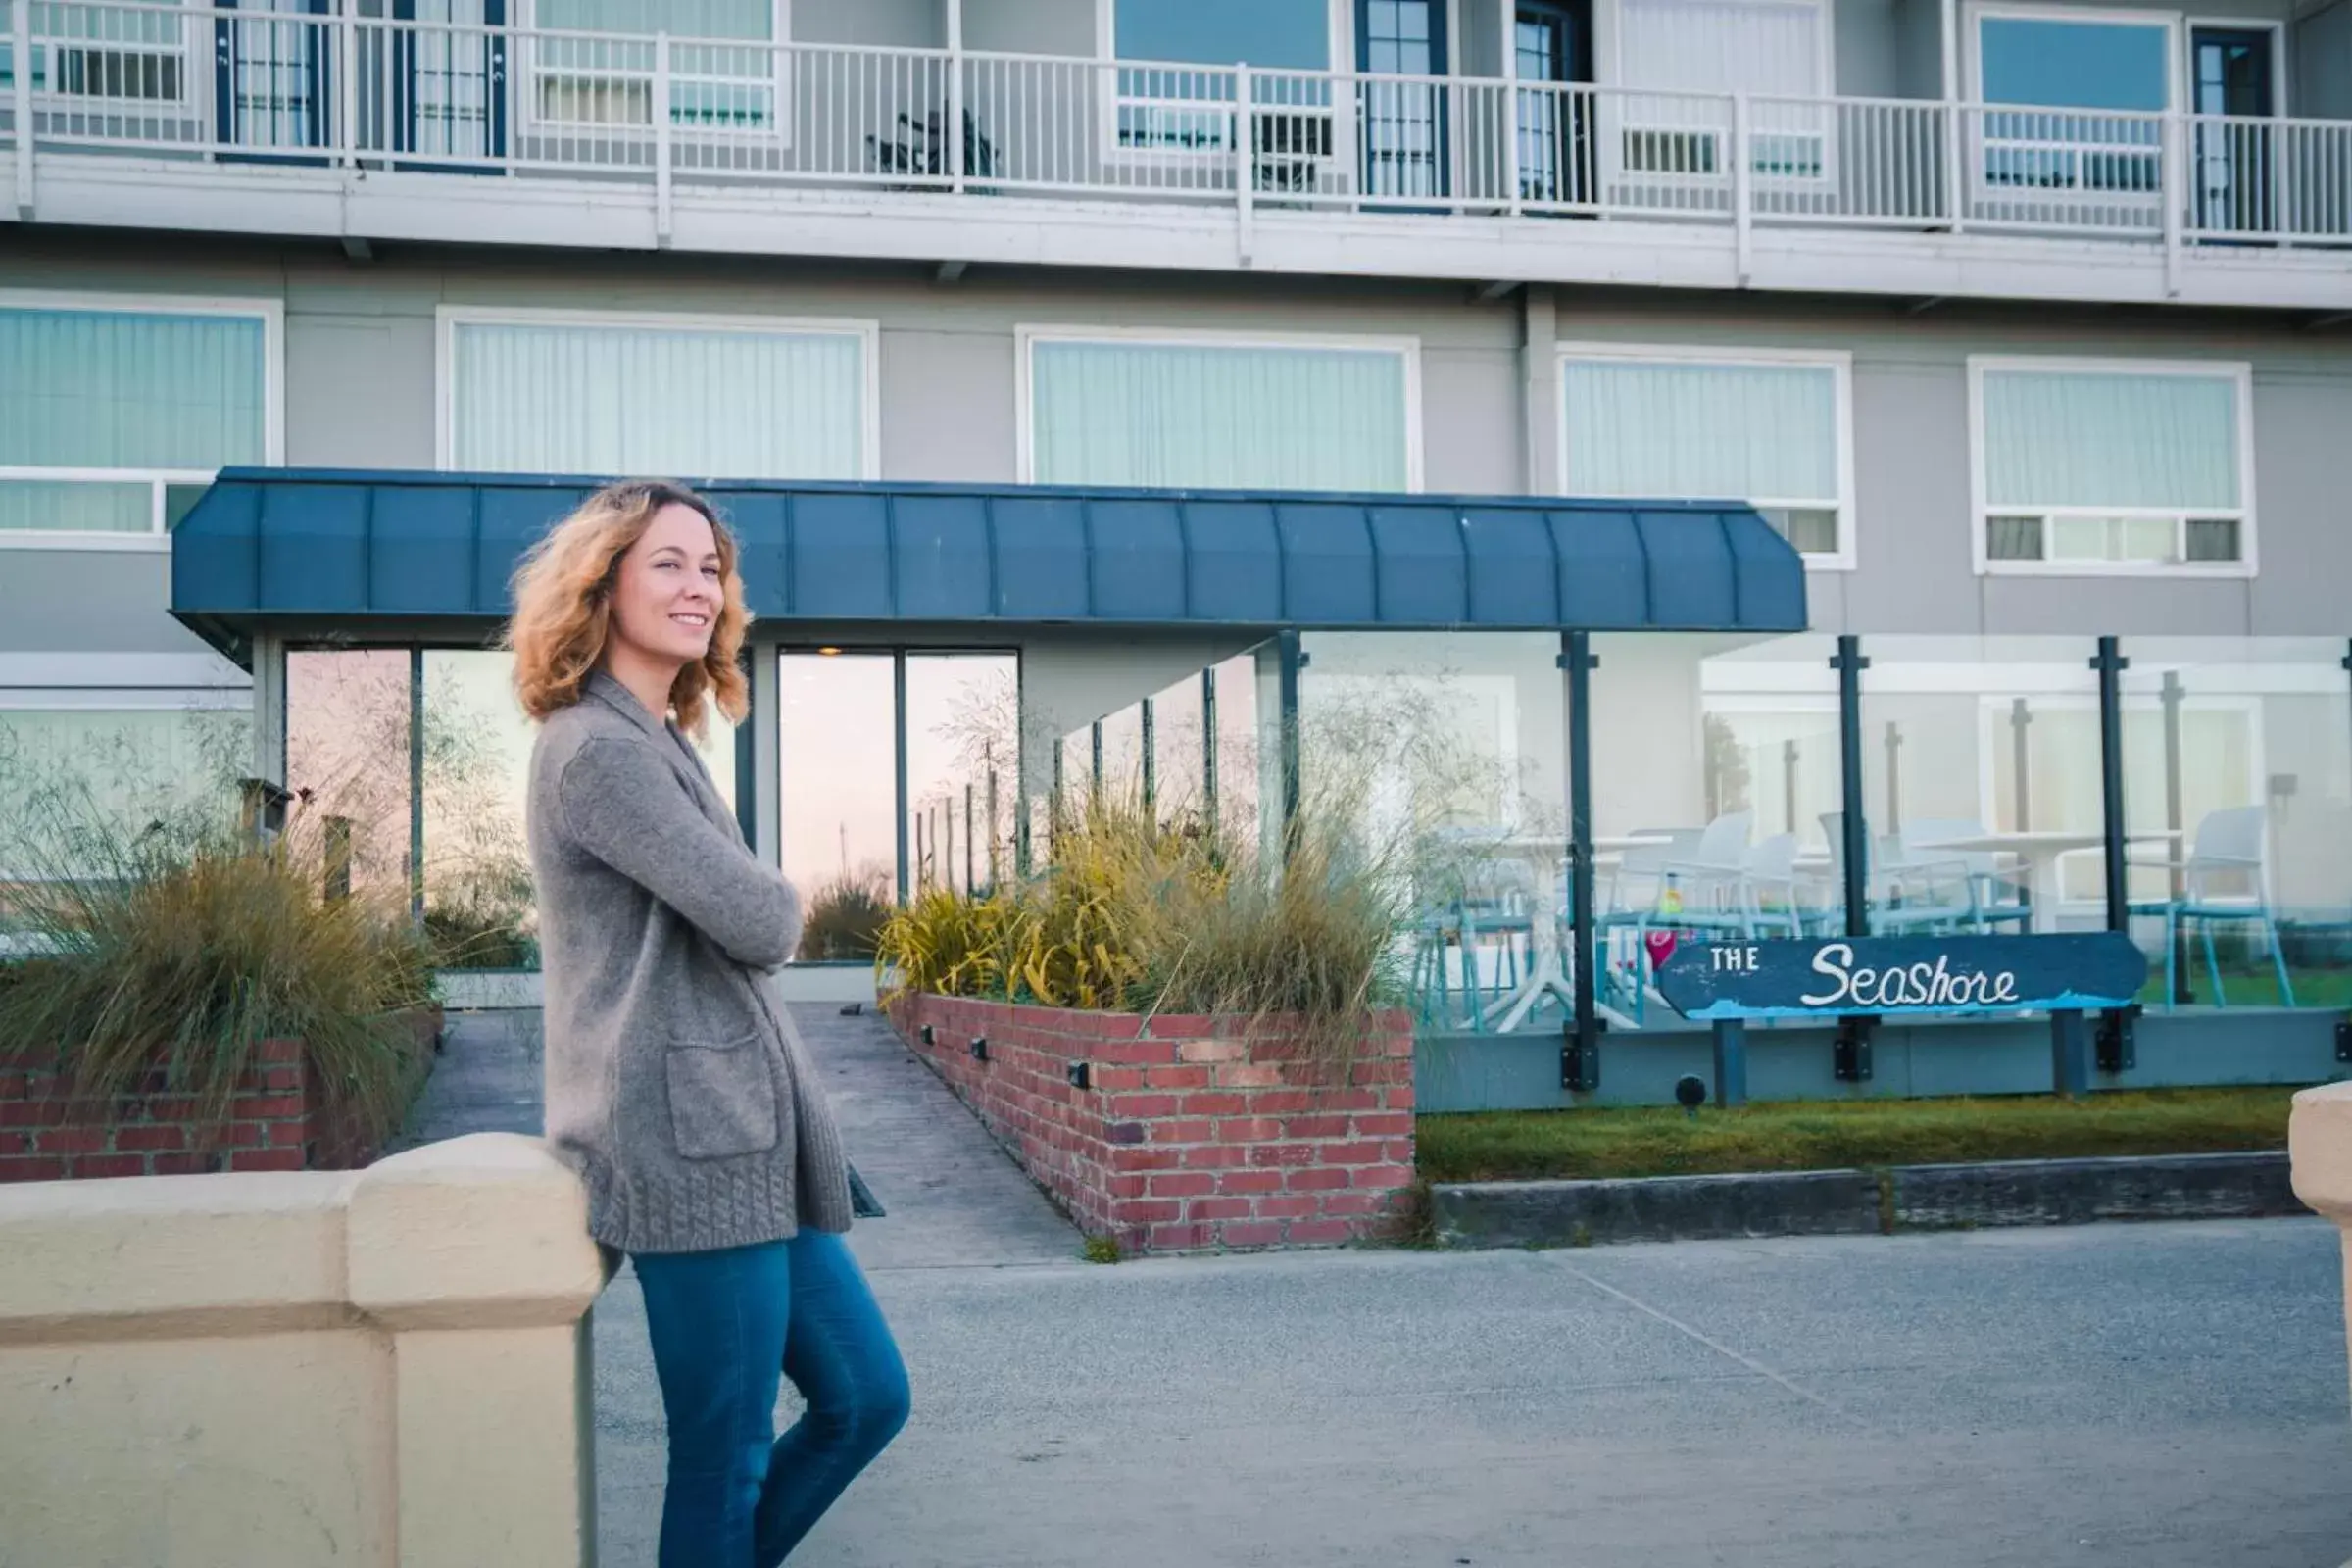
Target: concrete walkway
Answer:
pixel 2147 1397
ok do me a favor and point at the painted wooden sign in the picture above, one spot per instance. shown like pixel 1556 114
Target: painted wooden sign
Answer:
pixel 1831 977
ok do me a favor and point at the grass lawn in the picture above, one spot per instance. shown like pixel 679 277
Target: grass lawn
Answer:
pixel 1815 1135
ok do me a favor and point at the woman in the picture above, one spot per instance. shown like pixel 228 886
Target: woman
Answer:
pixel 676 1084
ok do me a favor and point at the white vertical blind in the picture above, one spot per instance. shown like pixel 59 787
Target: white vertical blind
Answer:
pixel 1677 430
pixel 1216 416
pixel 683 19
pixel 1721 46
pixel 546 398
pixel 2100 439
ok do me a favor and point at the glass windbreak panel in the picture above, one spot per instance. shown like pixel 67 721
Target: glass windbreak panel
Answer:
pixel 1240 734
pixel 2238 793
pixel 1441 759
pixel 1980 770
pixel 1716 784
pixel 1218 417
pixel 347 760
pixel 963 758
pixel 80 788
pixel 837 795
pixel 1123 754
pixel 1180 751
pixel 478 898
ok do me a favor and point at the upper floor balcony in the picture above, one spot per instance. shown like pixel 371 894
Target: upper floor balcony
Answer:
pixel 2040 152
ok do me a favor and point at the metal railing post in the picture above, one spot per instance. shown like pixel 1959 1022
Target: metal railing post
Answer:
pixel 347 89
pixel 1955 163
pixel 662 139
pixel 1743 195
pixel 2172 184
pixel 1244 160
pixel 20 99
pixel 953 130
pixel 1511 175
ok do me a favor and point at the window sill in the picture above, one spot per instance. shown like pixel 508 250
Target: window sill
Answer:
pixel 2196 571
pixel 138 543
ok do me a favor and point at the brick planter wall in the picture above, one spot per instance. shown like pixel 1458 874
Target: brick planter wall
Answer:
pixel 280 1118
pixel 1185 1138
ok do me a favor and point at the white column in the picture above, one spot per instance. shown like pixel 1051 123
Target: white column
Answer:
pixel 1540 389
pixel 270 708
pixel 768 837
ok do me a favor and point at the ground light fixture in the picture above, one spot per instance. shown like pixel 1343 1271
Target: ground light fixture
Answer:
pixel 979 1048
pixel 1690 1093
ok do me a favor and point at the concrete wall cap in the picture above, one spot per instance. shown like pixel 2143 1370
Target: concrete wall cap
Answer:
pixel 2319 1143
pixel 482 1230
pixel 155 1254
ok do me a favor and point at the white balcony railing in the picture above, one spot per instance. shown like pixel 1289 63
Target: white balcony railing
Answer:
pixel 121 78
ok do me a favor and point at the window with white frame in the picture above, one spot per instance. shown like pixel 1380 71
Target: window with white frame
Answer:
pixel 1682 61
pixel 1221 413
pixel 688 397
pixel 1177 96
pixel 1669 424
pixel 2088 89
pixel 115 414
pixel 726 71
pixel 2088 465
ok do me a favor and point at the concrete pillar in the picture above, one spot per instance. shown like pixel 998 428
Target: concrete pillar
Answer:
pixel 1540 389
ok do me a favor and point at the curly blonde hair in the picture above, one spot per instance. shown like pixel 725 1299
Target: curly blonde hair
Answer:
pixel 564 606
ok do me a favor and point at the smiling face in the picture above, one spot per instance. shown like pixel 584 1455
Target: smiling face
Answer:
pixel 671 589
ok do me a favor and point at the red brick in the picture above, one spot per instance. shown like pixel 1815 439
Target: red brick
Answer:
pixel 277 1078
pixel 1314 1126
pixel 1247 1075
pixel 1135 1053
pixel 1212 1051
pixel 1281 1155
pixel 1146 1107
pixel 1281 1101
pixel 172 1108
pixel 1383 1072
pixel 1292 1208
pixel 1217 1208
pixel 1318 1232
pixel 1400 1150
pixel 15 1143
pixel 185 1165
pixel 1146 1212
pixel 140 1140
pixel 1185 1183
pixel 1215 1156
pixel 1382 1176
pixel 1340 1205
pixel 1182 1131
pixel 1124 1132
pixel 1135 1159
pixel 31 1113
pixel 268 1108
pixel 266 1159
pixel 1249 1181
pixel 1384 1124
pixel 1316 1181
pixel 73 1141
pixel 235 1135
pixel 278 1050
pixel 1183 1026
pixel 1215 1103
pixel 30 1169
pixel 1111 1080
pixel 104 1168
pixel 285 1133
pixel 1179 1238
pixel 1118 1186
pixel 11 1086
pixel 1398 1096
pixel 1250 1129
pixel 1350 1154
pixel 1177 1077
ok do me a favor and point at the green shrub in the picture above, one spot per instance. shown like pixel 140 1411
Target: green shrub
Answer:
pixel 187 950
pixel 846 917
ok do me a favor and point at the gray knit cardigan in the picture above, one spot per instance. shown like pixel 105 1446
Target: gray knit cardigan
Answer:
pixel 676 1084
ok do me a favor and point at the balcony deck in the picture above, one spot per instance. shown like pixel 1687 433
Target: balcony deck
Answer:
pixel 160 117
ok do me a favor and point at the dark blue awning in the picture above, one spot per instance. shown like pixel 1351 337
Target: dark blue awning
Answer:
pixel 290 546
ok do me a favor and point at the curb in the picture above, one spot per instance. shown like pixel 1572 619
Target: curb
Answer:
pixel 1853 1202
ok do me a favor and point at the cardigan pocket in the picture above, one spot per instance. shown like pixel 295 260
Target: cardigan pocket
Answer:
pixel 722 1098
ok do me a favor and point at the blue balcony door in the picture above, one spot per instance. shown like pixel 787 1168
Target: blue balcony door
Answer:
pixel 2231 75
pixel 449 93
pixel 1552 48
pixel 1403 122
pixel 271 86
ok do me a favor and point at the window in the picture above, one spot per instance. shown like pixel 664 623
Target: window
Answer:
pixel 2086 466
pixel 1176 102
pixel 1299 414
pixel 679 396
pixel 1668 424
pixel 1693 54
pixel 115 416
pixel 725 72
pixel 83 782
pixel 2092 86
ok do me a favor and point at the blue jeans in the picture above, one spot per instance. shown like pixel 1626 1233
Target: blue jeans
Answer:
pixel 724 1326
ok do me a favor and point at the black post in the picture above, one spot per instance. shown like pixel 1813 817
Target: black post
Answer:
pixel 338 859
pixel 416 785
pixel 1096 795
pixel 1731 1061
pixel 2021 769
pixel 2070 1054
pixel 1208 744
pixel 1580 1058
pixel 747 768
pixel 1150 769
pixel 898 722
pixel 969 860
pixel 2176 850
pixel 1292 658
pixel 991 821
pixel 2111 664
pixel 1850 665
